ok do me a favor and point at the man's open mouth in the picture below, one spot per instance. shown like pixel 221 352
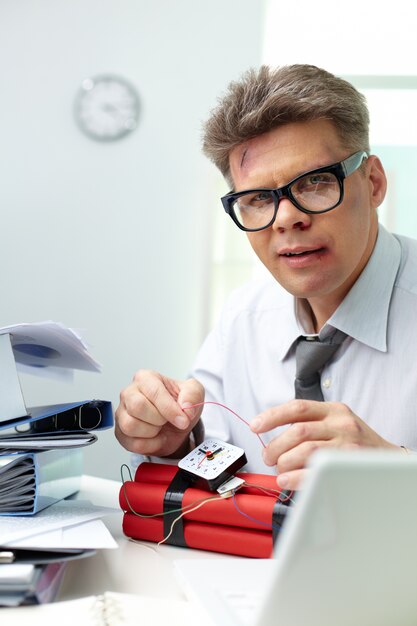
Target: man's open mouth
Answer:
pixel 303 253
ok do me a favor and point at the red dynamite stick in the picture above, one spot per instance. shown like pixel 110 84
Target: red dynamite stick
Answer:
pixel 148 499
pixel 161 473
pixel 213 537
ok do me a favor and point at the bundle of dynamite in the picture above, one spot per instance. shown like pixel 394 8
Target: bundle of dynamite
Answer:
pixel 159 507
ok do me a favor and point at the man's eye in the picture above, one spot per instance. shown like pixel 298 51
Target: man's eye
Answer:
pixel 315 181
pixel 257 200
pixel 262 196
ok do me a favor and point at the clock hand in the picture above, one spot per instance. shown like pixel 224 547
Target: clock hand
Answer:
pixel 210 455
pixel 207 454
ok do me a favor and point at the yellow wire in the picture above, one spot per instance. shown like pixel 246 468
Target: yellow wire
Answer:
pixel 190 511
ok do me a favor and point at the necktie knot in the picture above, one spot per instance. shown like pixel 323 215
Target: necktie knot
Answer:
pixel 311 356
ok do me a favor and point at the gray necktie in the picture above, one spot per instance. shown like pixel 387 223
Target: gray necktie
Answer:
pixel 311 355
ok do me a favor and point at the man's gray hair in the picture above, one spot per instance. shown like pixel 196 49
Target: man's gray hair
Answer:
pixel 266 98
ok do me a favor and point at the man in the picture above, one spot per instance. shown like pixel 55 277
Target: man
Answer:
pixel 293 144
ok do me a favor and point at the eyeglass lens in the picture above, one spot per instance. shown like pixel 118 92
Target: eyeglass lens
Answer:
pixel 314 192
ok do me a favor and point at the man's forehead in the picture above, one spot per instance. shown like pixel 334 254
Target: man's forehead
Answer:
pixel 290 150
pixel 249 157
pixel 245 154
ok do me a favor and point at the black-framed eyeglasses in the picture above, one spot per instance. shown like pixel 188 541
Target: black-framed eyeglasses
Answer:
pixel 318 191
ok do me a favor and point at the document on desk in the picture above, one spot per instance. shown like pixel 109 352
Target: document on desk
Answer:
pixel 62 514
pixel 90 535
pixel 109 609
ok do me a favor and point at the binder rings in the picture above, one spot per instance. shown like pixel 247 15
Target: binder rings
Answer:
pixel 69 417
pixel 40 447
pixel 31 482
pixel 44 348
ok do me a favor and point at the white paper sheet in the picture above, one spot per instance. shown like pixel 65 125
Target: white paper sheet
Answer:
pixel 45 348
pixel 91 535
pixel 59 515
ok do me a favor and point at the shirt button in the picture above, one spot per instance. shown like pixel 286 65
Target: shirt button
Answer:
pixel 327 383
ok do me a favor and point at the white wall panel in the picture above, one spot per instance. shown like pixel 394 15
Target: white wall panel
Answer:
pixel 113 238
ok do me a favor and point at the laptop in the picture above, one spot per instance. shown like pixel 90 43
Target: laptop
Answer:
pixel 346 555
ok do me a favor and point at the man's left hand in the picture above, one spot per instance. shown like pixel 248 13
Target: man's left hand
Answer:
pixel 311 425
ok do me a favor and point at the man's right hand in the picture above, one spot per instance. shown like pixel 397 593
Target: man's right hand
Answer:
pixel 152 417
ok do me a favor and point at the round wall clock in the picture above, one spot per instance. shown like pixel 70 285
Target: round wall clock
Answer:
pixel 107 107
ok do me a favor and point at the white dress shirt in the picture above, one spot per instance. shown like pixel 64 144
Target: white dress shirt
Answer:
pixel 248 361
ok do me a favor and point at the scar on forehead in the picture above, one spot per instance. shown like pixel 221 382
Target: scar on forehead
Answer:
pixel 243 158
pixel 250 151
pixel 246 158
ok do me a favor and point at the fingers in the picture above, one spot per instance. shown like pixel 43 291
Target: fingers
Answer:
pixel 292 480
pixel 150 418
pixel 157 445
pixel 311 425
pixel 307 433
pixel 288 413
pixel 291 465
pixel 191 398
pixel 153 398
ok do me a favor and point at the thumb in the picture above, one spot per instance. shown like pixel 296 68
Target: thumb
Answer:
pixel 191 398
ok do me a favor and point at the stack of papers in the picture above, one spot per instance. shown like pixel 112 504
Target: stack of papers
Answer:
pixel 68 524
pixel 35 549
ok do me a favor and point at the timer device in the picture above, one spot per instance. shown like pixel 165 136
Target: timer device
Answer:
pixel 212 463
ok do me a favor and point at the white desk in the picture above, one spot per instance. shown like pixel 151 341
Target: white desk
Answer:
pixel 134 567
pixel 141 569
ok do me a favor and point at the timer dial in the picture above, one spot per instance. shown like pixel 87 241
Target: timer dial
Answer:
pixel 213 462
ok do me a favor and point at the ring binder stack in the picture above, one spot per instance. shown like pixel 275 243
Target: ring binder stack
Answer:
pixel 40 447
pixel 31 482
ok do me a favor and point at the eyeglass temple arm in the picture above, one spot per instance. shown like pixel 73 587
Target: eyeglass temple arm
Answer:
pixel 353 162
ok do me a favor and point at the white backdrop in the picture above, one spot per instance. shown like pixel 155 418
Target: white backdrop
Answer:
pixel 113 239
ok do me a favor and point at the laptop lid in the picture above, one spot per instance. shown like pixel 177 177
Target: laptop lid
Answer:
pixel 347 553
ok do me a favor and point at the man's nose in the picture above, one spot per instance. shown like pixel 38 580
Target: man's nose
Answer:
pixel 289 216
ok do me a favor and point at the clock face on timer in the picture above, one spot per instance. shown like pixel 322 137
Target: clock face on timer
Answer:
pixel 213 458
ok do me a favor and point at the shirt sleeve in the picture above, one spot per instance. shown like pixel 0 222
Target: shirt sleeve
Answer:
pixel 208 369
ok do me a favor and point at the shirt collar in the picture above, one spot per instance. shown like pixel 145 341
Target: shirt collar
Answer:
pixel 367 301
pixel 363 314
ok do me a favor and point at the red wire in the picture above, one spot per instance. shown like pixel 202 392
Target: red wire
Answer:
pixel 227 409
pixel 288 494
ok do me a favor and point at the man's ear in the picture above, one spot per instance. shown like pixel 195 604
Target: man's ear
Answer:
pixel 377 181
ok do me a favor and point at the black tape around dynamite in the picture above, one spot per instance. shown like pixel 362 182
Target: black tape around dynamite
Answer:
pixel 172 502
pixel 279 513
